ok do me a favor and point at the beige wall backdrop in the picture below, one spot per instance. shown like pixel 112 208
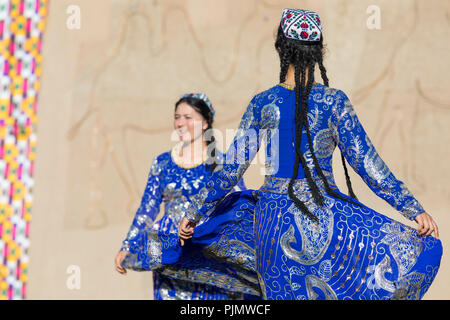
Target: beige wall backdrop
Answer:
pixel 109 88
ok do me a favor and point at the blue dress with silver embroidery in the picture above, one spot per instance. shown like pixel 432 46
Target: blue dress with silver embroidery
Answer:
pixel 353 252
pixel 151 245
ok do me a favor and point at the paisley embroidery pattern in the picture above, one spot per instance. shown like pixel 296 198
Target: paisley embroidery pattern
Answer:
pixel 233 252
pixel 314 284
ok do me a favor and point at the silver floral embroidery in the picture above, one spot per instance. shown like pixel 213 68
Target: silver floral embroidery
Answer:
pixel 270 116
pixel 154 247
pixel 235 252
pixel 323 143
pixel 404 245
pixel 375 166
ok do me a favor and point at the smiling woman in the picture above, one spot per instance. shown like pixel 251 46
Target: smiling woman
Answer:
pixel 193 121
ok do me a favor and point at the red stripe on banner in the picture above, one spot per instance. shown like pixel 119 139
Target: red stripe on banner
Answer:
pixel 19 67
pixel 11 191
pixel 11 46
pixel 6 68
pixel 28 27
pixel 25 87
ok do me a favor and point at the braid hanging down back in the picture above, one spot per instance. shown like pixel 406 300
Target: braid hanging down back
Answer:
pixel 305 57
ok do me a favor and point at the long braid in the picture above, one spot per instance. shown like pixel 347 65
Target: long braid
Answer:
pixel 347 178
pixel 302 57
pixel 298 153
pixel 323 73
pixel 316 162
pixel 318 197
pixel 284 65
pixel 211 148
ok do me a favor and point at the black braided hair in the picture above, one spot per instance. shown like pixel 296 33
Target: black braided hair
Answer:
pixel 201 107
pixel 302 57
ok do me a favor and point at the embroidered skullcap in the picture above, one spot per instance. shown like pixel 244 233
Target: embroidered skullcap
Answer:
pixel 303 25
pixel 202 97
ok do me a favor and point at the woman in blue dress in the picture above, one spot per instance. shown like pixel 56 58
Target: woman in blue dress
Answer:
pixel 311 240
pixel 186 168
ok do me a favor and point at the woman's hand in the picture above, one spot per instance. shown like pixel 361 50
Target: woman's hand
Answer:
pixel 118 261
pixel 186 230
pixel 426 225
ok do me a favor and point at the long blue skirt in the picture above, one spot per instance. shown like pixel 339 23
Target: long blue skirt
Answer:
pixel 352 253
pixel 258 243
pixel 220 255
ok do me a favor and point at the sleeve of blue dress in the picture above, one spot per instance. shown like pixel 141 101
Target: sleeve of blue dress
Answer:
pixel 360 153
pixel 228 174
pixel 149 207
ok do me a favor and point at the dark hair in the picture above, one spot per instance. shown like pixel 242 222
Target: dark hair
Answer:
pixel 201 107
pixel 305 56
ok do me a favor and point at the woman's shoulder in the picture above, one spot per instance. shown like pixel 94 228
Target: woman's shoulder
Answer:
pixel 267 94
pixel 163 156
pixel 160 161
pixel 328 95
pixel 328 91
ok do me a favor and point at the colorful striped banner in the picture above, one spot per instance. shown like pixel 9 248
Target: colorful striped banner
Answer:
pixel 22 23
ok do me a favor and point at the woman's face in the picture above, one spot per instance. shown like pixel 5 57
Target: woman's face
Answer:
pixel 188 123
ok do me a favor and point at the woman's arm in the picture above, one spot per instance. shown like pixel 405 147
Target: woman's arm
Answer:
pixel 227 174
pixel 360 153
pixel 149 207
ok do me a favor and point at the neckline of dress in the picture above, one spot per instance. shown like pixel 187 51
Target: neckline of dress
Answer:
pixel 176 160
pixel 291 87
